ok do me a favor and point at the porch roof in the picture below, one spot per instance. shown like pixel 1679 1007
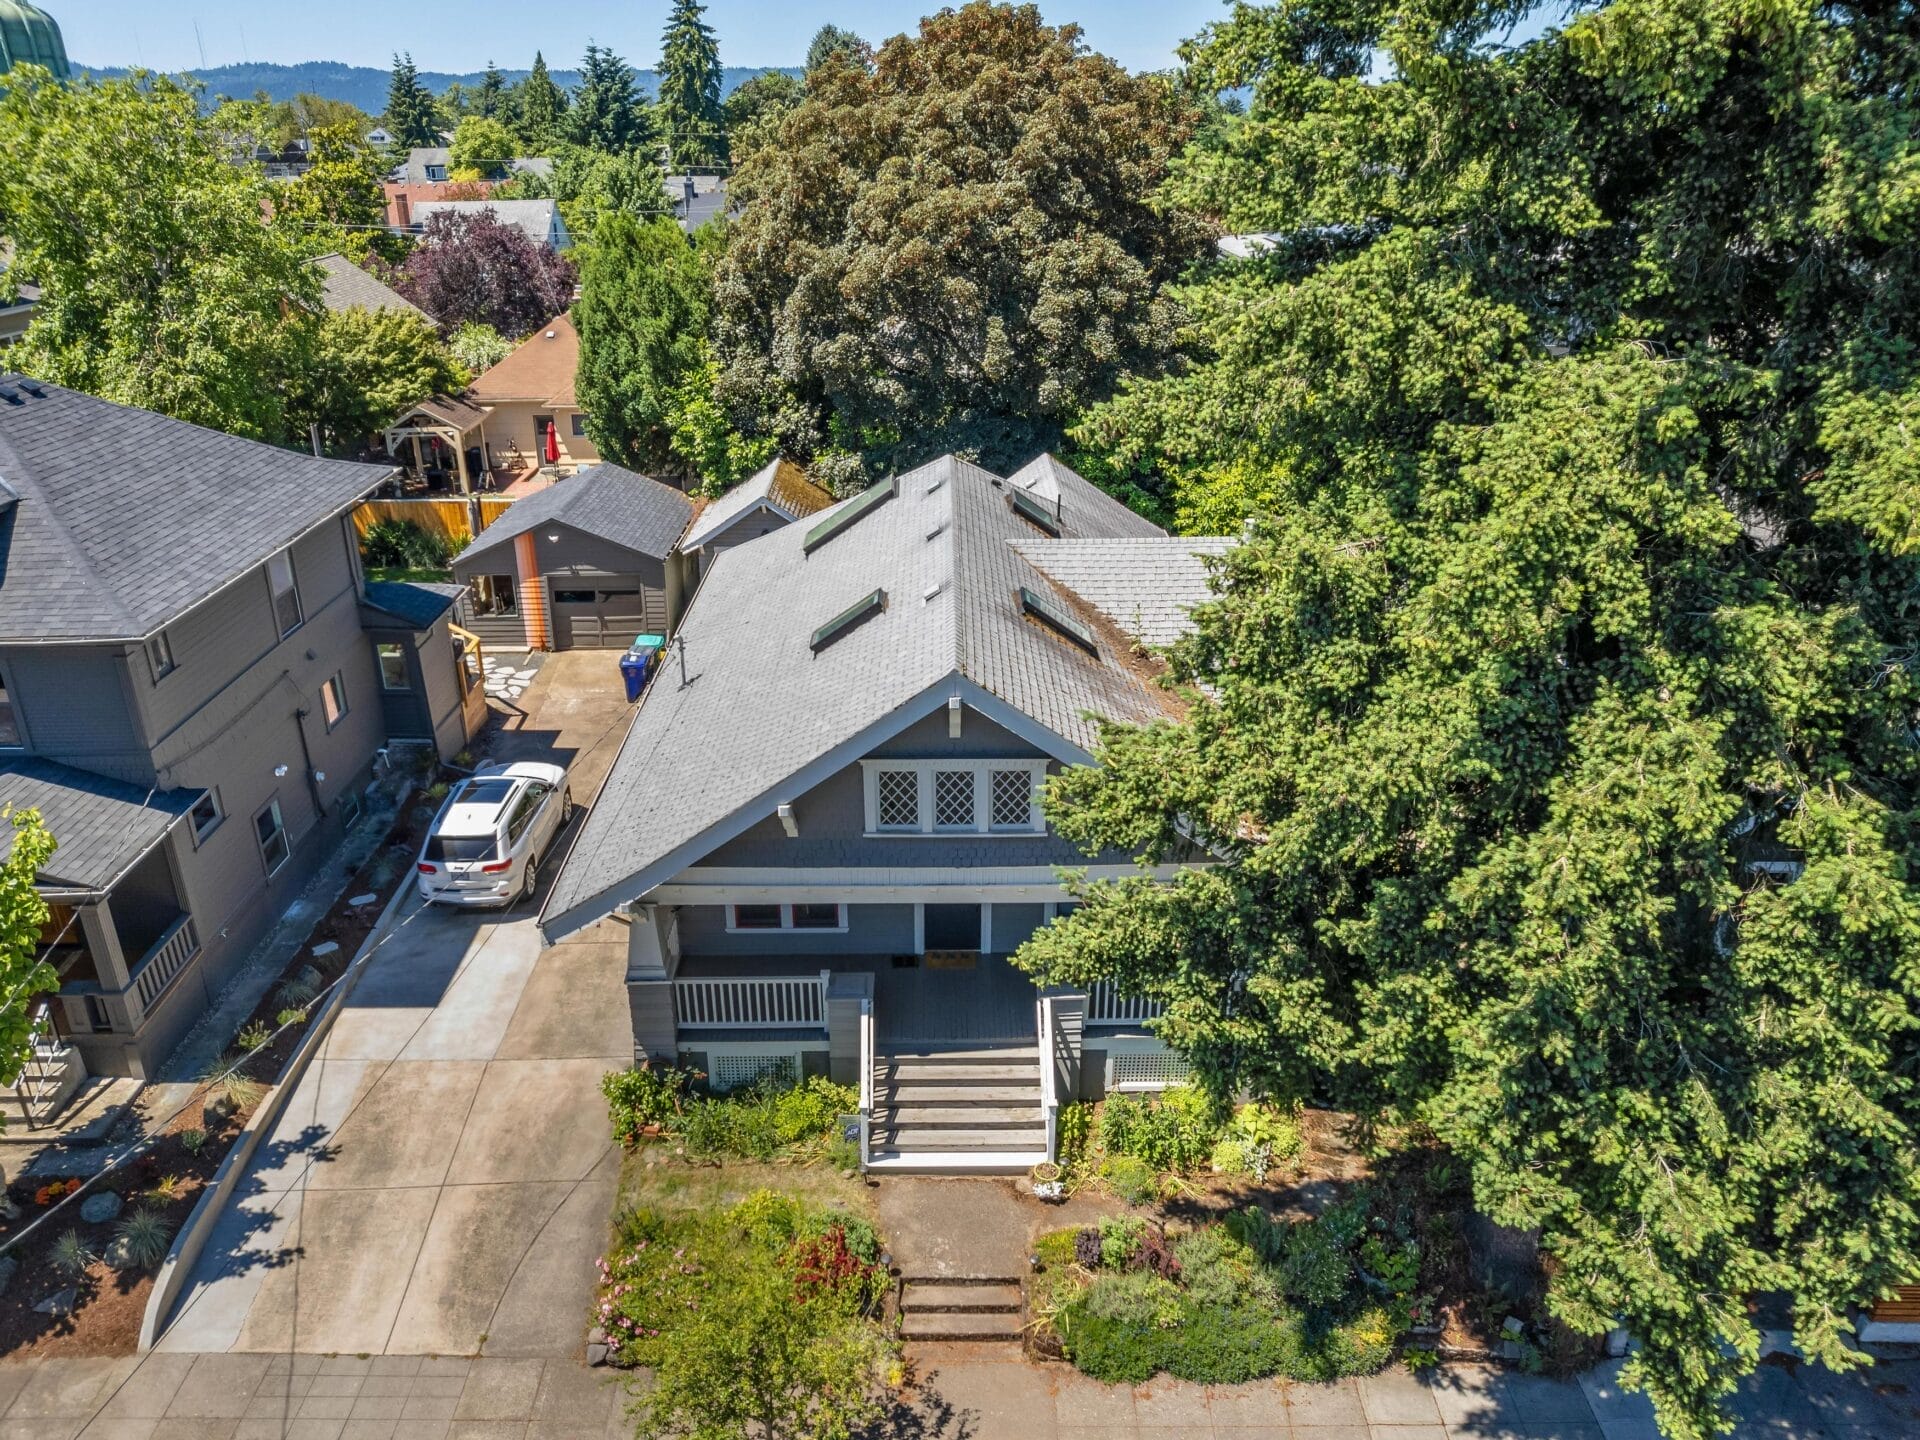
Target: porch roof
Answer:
pixel 103 826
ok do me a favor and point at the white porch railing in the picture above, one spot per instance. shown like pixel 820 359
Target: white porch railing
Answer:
pixel 1107 1006
pixel 866 1083
pixel 767 1002
pixel 1049 1096
pixel 167 958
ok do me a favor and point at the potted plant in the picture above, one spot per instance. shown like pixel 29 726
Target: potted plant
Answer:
pixel 1047 1182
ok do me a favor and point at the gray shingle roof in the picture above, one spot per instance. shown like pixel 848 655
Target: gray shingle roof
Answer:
pixel 1145 586
pixel 760 705
pixel 103 826
pixel 417 602
pixel 345 286
pixel 781 486
pixel 125 518
pixel 632 511
pixel 538 220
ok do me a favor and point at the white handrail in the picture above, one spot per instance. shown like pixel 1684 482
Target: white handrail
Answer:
pixel 1049 1100
pixel 866 1082
pixel 750 1002
pixel 1107 1006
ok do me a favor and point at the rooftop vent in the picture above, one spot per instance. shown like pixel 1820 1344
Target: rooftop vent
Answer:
pixel 1054 618
pixel 869 499
pixel 1035 511
pixel 863 609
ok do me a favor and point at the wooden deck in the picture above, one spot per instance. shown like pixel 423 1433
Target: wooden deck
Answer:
pixel 992 1002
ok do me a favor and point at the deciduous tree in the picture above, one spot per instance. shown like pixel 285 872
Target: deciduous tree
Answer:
pixel 755 109
pixel 371 365
pixel 1555 730
pixel 957 251
pixel 162 285
pixel 24 976
pixel 483 146
pixel 474 267
pixel 338 203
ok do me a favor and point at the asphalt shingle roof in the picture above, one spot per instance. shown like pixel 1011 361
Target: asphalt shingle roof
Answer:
pixel 103 826
pixel 417 602
pixel 125 518
pixel 345 286
pixel 540 368
pixel 1147 587
pixel 781 486
pixel 633 511
pixel 760 705
pixel 536 219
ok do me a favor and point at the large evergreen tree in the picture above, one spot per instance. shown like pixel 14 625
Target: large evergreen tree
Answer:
pixel 689 110
pixel 412 118
pixel 490 100
pixel 956 251
pixel 1555 731
pixel 609 113
pixel 830 42
pixel 541 110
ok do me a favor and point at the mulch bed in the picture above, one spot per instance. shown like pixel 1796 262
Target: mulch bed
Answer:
pixel 168 1178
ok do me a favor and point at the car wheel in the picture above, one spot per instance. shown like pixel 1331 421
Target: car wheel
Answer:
pixel 532 881
pixel 566 807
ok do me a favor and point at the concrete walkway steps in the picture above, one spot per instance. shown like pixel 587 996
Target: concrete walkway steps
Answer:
pixel 944 1307
pixel 945 1105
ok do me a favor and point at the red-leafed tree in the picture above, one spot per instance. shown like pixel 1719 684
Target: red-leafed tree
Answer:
pixel 474 267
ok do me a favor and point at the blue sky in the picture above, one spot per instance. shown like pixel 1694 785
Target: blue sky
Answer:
pixel 459 35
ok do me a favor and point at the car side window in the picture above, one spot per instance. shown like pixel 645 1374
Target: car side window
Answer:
pixel 522 815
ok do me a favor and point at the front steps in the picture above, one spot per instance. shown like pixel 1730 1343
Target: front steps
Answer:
pixel 942 1307
pixel 968 1111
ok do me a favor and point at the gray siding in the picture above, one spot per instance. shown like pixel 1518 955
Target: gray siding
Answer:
pixel 75 706
pixel 576 561
pixel 431 709
pixel 871 930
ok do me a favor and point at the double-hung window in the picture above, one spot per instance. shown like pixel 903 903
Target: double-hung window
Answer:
pixel 286 593
pixel 954 797
pixel 271 832
pixel 160 655
pixel 824 915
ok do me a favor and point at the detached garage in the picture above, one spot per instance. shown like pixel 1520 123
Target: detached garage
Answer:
pixel 587 563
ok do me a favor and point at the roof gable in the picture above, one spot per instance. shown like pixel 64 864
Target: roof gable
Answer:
pixel 126 519
pixel 781 487
pixel 540 369
pixel 633 511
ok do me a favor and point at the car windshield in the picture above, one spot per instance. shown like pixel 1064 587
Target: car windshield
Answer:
pixel 460 847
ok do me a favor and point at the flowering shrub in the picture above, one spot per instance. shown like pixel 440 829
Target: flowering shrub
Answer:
pixel 640 1096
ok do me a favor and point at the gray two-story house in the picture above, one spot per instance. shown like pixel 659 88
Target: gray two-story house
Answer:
pixel 187 695
pixel 823 830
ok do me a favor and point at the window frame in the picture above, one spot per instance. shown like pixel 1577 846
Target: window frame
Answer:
pixel 380 658
pixel 490 586
pixel 928 825
pixel 160 659
pixel 333 701
pixel 579 426
pixel 202 833
pixel 272 807
pixel 274 592
pixel 786 925
pixel 13 735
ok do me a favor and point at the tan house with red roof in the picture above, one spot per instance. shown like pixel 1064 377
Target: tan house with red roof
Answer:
pixel 531 392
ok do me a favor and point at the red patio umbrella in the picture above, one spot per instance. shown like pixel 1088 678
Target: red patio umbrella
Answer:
pixel 553 444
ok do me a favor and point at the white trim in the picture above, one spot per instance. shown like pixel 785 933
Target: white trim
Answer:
pixel 919 929
pixel 786 925
pixel 982 769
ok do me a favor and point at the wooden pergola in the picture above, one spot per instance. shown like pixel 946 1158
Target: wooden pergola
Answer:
pixel 444 418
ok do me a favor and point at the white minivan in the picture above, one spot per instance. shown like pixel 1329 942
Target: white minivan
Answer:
pixel 486 844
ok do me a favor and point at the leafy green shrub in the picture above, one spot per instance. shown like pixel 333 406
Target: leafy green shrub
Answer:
pixel 1131 1178
pixel 1111 1351
pixel 1136 1298
pixel 1333 1351
pixel 1174 1131
pixel 1055 1248
pixel 809 1109
pixel 145 1238
pixel 766 1118
pixel 403 545
pixel 290 1017
pixel 256 1036
pixel 1255 1126
pixel 640 1096
pixel 191 1140
pixel 70 1255
pixel 1218 1269
pixel 1230 1345
pixel 1120 1238
pixel 1315 1270
pixel 767 1217
pixel 1072 1132
pixel 1260 1233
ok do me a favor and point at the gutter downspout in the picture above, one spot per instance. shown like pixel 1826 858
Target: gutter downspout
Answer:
pixel 306 756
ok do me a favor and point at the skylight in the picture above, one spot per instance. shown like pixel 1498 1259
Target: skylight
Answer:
pixel 865 608
pixel 1054 618
pixel 1035 510
pixel 866 500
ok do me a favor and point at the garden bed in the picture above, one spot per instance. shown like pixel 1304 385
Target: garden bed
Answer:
pixel 181 1157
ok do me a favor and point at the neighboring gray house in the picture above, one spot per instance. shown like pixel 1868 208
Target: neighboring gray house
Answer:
pixel 777 495
pixel 587 563
pixel 423 697
pixel 345 286
pixel 186 694
pixel 433 164
pixel 824 827
pixel 538 220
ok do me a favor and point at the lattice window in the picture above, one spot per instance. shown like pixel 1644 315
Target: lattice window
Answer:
pixel 953 799
pixel 1146 1070
pixel 1012 799
pixel 736 1072
pixel 899 796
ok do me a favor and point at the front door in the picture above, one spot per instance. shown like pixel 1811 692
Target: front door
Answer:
pixel 952 928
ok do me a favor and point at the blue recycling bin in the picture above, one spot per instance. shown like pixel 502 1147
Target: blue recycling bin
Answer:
pixel 638 661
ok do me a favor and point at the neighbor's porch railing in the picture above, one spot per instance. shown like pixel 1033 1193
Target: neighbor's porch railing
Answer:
pixel 767 1002
pixel 1107 1006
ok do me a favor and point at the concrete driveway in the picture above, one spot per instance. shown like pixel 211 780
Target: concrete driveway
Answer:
pixel 442 1176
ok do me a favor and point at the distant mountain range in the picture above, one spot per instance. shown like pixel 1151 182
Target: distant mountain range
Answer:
pixel 366 87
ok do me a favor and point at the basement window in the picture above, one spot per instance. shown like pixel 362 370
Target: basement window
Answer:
pixel 872 498
pixel 865 608
pixel 1057 619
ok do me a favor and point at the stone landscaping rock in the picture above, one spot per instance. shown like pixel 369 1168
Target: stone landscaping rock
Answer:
pixel 100 1207
pixel 59 1304
pixel 326 949
pixel 596 1354
pixel 118 1255
pixel 366 899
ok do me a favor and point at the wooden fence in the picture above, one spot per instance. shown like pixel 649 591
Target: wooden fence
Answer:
pixel 455 521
